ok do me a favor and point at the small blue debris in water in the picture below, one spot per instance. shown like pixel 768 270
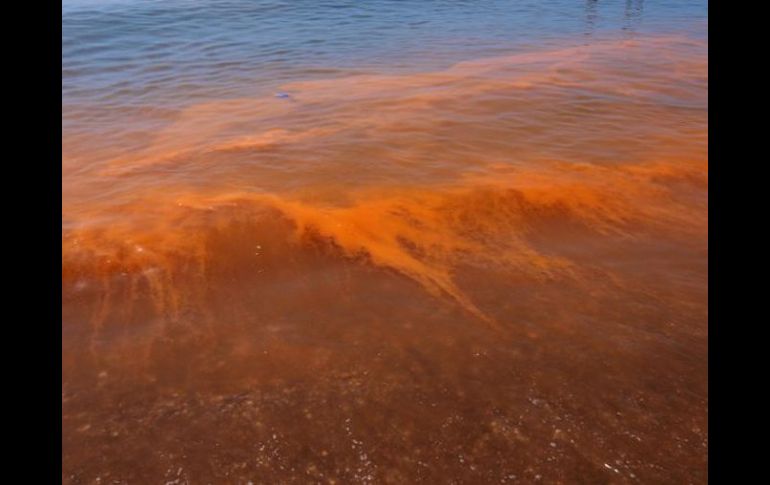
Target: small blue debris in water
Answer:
pixel 282 95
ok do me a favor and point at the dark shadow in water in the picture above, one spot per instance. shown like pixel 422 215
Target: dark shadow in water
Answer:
pixel 591 17
pixel 632 16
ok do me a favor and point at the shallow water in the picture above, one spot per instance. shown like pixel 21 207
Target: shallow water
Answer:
pixel 384 242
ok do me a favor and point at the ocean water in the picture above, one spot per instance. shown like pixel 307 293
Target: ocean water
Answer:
pixel 384 241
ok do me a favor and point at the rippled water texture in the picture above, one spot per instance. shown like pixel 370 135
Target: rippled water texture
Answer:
pixel 384 242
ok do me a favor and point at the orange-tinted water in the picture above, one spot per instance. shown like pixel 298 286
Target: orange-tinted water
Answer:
pixel 491 273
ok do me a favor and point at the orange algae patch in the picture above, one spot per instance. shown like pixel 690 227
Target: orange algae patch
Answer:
pixel 421 174
pixel 422 234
